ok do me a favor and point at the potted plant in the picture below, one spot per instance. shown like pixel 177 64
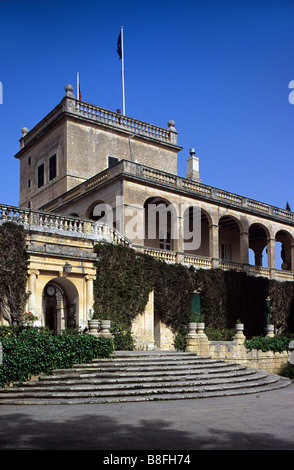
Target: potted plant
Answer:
pixel 93 323
pixel 192 325
pixel 27 319
pixel 200 322
pixel 239 326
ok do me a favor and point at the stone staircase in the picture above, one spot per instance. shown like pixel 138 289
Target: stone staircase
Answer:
pixel 140 376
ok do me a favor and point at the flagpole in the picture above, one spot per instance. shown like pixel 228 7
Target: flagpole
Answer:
pixel 123 69
pixel 78 85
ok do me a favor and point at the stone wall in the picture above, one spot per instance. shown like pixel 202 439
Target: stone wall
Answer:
pixel 232 351
pixel 235 351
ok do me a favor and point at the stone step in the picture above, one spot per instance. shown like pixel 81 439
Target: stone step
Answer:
pixel 200 392
pixel 138 376
pixel 142 370
pixel 147 382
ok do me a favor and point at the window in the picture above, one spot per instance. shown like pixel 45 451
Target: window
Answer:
pixel 41 175
pixel 52 167
pixel 29 183
pixel 112 161
pixel 29 161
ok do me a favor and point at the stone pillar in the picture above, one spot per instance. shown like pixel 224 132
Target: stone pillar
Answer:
pixel 173 133
pixel 89 278
pixel 214 244
pixel 192 338
pixel 239 336
pixel 244 247
pixel 203 340
pixel 178 240
pixel 271 260
pixel 292 257
pixel 32 288
pixel 197 340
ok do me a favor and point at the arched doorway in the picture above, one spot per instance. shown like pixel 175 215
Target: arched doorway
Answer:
pixel 60 305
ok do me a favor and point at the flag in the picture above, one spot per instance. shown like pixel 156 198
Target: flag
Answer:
pixel 80 95
pixel 119 48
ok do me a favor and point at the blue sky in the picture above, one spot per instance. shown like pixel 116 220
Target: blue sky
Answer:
pixel 219 69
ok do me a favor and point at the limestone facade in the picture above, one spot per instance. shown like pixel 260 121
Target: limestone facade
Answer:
pixel 90 175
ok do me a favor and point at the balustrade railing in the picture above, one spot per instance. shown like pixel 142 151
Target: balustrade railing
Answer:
pixel 48 221
pixel 116 119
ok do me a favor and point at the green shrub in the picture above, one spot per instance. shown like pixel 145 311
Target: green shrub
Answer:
pixel 219 334
pixel 287 371
pixel 276 344
pixel 180 342
pixel 34 351
pixel 122 338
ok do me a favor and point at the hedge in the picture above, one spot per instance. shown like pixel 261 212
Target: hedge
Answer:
pixel 33 351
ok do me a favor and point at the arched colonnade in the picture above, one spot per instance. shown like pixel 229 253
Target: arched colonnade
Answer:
pixel 205 230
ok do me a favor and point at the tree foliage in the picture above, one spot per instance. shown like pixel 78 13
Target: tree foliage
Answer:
pixel 13 271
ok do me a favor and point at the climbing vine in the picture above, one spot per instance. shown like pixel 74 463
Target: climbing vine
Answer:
pixel 13 271
pixel 123 281
pixel 126 277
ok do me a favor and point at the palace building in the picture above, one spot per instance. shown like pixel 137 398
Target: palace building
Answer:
pixel 90 175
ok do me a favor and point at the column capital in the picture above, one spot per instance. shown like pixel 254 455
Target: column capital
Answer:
pixel 33 272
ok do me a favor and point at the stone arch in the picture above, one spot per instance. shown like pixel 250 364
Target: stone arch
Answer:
pixel 205 221
pixel 258 241
pixel 100 211
pixel 283 243
pixel 60 304
pixel 229 238
pixel 160 222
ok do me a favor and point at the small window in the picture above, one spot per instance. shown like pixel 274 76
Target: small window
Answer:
pixel 29 161
pixel 29 183
pixel 112 161
pixel 29 204
pixel 52 167
pixel 41 175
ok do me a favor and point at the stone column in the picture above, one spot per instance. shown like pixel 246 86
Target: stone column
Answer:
pixel 214 244
pixel 32 285
pixel 89 279
pixel 244 248
pixel 271 260
pixel 178 241
pixel 292 257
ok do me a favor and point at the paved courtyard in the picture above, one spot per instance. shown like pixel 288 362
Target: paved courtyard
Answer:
pixel 250 422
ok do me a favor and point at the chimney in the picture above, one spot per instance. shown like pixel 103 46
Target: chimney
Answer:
pixel 193 167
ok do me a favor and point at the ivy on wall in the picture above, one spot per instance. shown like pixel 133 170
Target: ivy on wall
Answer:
pixel 13 271
pixel 126 277
pixel 123 281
